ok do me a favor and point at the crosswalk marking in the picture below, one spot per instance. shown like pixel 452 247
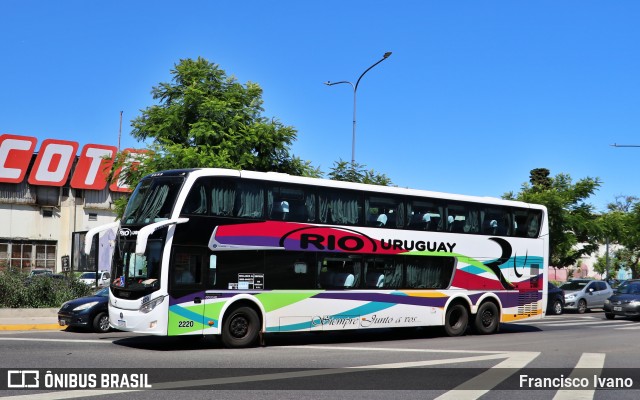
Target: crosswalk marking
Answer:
pixel 585 323
pixel 629 328
pixel 592 362
pixel 494 376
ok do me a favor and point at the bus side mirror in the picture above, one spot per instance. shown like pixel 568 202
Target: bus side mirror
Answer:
pixel 144 233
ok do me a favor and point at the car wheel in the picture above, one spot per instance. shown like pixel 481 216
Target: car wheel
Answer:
pixel 609 316
pixel 557 307
pixel 241 328
pixel 456 320
pixel 582 306
pixel 101 323
pixel 487 319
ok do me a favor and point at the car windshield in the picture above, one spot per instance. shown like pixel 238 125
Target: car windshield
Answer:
pixel 632 288
pixel 104 292
pixel 574 285
pixel 152 200
pixel 137 271
pixel 40 272
pixel 88 275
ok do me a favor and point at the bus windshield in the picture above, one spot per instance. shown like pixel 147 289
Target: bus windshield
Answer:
pixel 152 200
pixel 136 271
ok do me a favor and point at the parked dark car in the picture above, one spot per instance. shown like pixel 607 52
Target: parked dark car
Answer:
pixel 87 312
pixel 625 303
pixel 555 299
pixel 623 284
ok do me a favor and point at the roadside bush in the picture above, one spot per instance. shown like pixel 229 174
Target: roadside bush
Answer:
pixel 19 291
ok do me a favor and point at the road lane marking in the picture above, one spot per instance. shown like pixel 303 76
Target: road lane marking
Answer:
pixel 392 349
pixel 589 363
pixel 584 323
pixel 614 325
pixel 491 378
pixel 628 328
pixel 559 320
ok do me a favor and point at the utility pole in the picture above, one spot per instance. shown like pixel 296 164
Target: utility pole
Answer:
pixel 120 132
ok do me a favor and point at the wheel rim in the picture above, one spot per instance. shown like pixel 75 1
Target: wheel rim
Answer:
pixel 487 318
pixel 557 307
pixel 104 323
pixel 582 306
pixel 239 326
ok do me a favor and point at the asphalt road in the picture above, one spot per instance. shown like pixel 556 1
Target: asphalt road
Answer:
pixel 557 352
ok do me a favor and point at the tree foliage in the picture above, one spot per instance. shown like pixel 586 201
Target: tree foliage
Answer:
pixel 208 119
pixel 573 228
pixel 355 172
pixel 205 118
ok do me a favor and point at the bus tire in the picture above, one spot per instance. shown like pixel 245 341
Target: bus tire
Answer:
pixel 456 320
pixel 241 327
pixel 487 319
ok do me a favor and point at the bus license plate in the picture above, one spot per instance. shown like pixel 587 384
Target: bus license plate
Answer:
pixel 122 323
pixel 617 308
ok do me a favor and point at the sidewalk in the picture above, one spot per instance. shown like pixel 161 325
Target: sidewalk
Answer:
pixel 26 319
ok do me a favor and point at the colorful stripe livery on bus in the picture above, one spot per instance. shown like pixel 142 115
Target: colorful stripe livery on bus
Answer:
pixel 240 254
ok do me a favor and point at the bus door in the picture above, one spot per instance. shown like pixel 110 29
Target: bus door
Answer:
pixel 187 282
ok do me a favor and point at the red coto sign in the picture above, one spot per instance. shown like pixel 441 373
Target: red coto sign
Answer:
pixel 54 161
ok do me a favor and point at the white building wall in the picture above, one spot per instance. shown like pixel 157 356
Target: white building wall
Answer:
pixel 27 222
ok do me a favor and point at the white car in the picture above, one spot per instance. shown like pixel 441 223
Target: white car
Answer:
pixel 89 278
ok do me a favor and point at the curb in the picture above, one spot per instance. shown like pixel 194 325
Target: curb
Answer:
pixel 32 327
pixel 29 319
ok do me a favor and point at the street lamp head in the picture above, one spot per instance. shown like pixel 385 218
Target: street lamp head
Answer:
pixel 328 83
pixel 387 54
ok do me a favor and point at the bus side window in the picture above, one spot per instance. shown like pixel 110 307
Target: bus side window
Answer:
pixel 196 202
pixel 212 270
pixel 187 268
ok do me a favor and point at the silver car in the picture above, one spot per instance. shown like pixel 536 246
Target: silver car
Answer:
pixel 584 294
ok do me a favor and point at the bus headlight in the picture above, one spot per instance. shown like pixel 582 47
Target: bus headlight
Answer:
pixel 150 305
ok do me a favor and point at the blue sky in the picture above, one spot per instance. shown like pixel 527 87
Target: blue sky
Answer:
pixel 474 96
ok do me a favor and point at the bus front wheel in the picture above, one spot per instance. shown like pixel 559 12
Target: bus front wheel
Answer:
pixel 487 319
pixel 241 327
pixel 456 320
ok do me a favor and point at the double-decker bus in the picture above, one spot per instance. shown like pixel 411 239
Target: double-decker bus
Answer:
pixel 240 254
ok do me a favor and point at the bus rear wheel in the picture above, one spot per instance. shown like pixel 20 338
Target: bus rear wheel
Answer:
pixel 487 319
pixel 456 320
pixel 241 327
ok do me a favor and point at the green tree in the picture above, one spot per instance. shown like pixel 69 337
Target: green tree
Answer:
pixel 609 266
pixel 620 225
pixel 629 238
pixel 205 118
pixel 208 119
pixel 355 172
pixel 573 231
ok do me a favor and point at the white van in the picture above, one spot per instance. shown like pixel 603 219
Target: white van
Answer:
pixel 89 278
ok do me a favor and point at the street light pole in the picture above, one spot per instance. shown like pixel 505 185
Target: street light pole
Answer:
pixel 625 145
pixel 355 89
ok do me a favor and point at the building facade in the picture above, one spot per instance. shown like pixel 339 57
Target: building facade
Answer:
pixel 50 198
